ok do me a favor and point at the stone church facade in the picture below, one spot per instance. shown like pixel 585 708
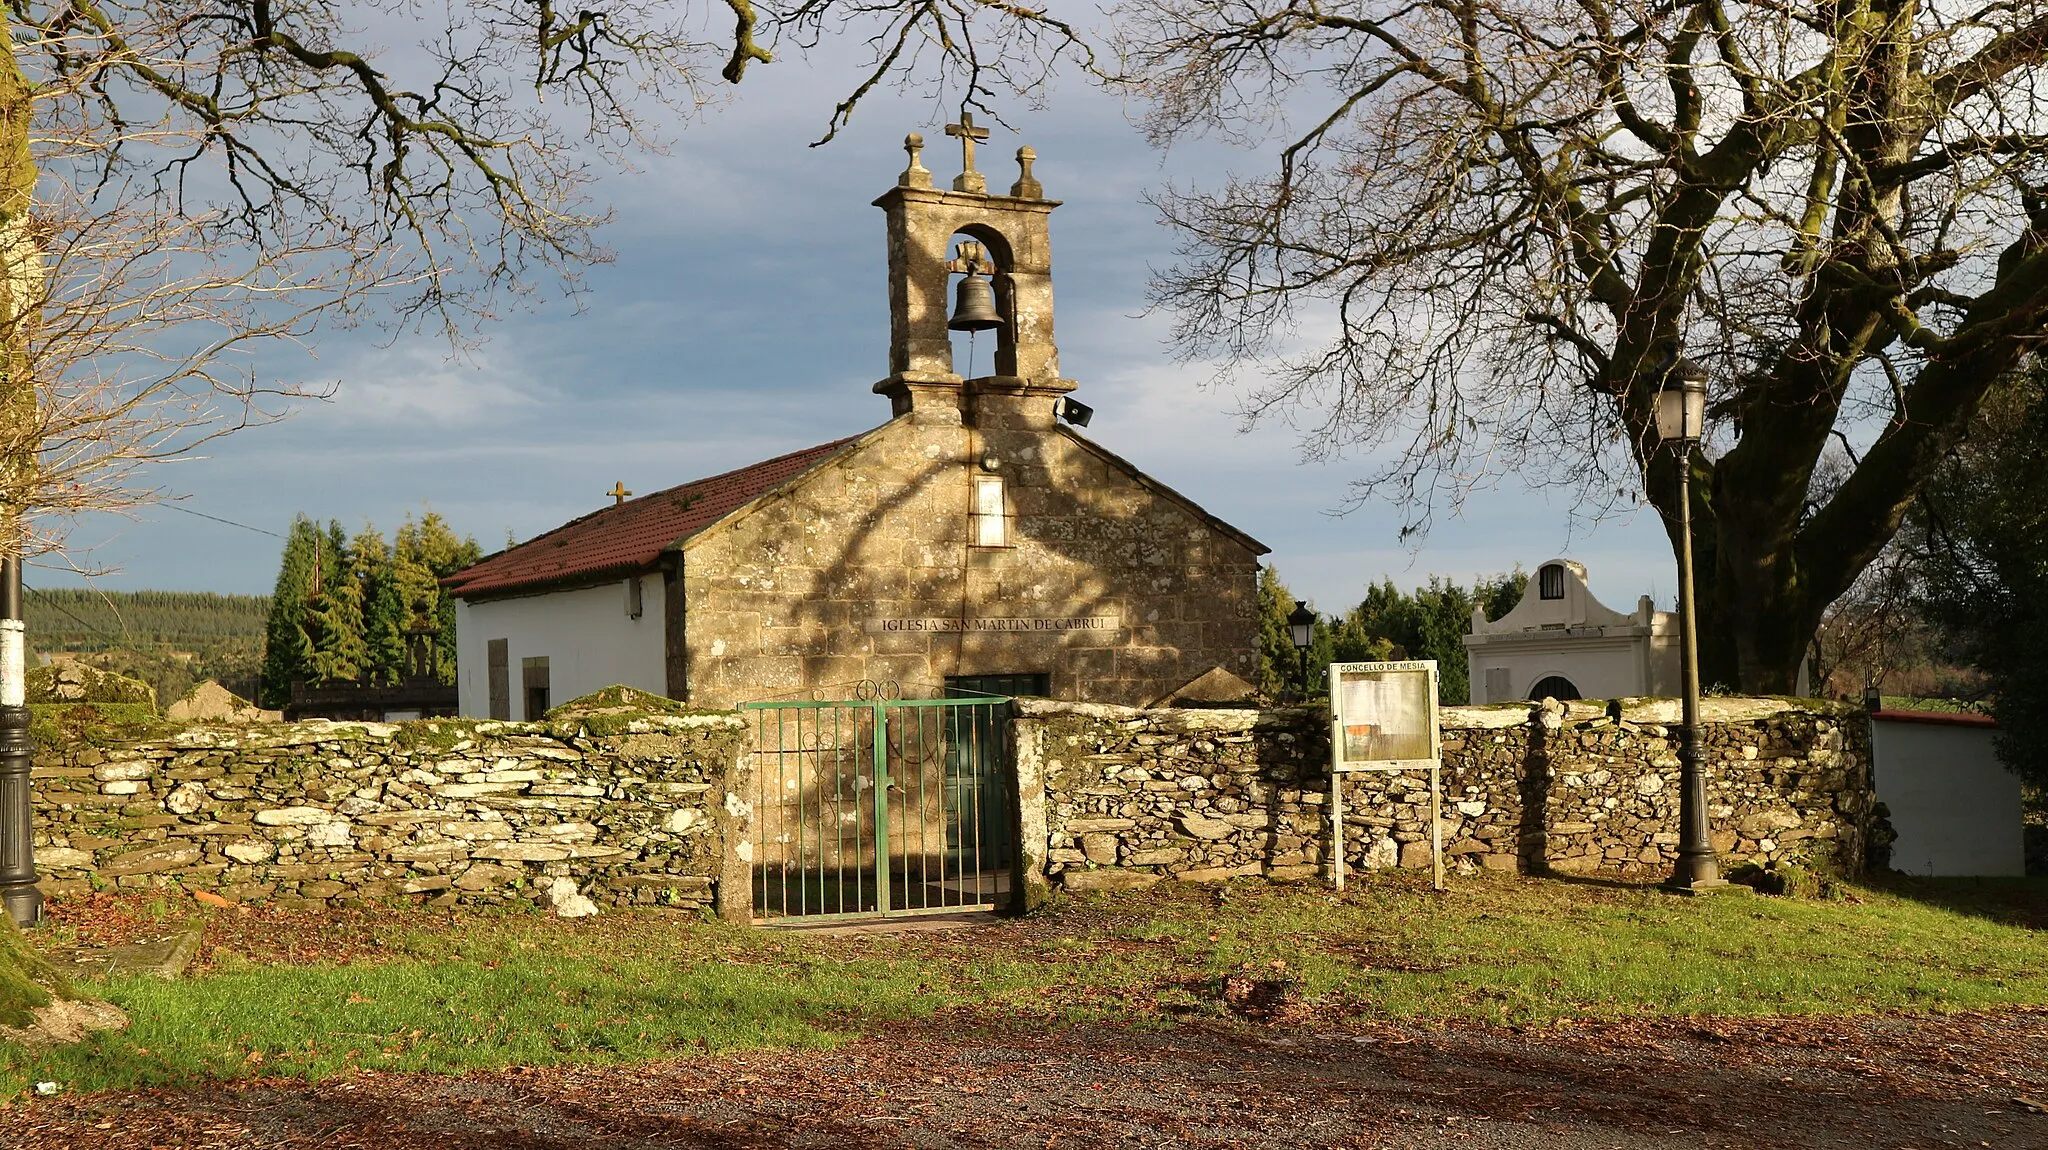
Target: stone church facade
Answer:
pixel 976 538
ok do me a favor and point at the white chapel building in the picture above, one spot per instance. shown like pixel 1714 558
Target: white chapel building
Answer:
pixel 1560 642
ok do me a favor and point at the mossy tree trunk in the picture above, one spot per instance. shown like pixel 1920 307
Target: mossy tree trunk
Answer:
pixel 21 292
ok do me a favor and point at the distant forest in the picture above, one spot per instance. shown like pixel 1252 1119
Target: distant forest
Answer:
pixel 78 619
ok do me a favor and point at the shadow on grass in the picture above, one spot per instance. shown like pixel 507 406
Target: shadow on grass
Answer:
pixel 1642 883
pixel 2021 902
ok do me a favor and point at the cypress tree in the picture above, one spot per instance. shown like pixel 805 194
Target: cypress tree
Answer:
pixel 1279 662
pixel 426 552
pixel 287 648
pixel 384 617
pixel 335 615
pixel 343 606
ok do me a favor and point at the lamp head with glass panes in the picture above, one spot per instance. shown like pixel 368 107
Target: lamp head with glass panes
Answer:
pixel 1301 625
pixel 1682 402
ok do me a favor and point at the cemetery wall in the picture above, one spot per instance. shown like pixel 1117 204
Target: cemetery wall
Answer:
pixel 1121 797
pixel 454 811
pixel 646 809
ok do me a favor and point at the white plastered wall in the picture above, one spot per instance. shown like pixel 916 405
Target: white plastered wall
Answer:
pixel 585 634
pixel 1601 668
pixel 1955 807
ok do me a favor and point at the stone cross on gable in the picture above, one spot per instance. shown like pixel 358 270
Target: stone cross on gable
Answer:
pixel 618 493
pixel 968 180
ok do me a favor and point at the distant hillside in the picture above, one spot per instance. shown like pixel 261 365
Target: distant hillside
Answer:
pixel 72 619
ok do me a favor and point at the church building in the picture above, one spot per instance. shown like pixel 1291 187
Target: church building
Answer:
pixel 1560 642
pixel 975 542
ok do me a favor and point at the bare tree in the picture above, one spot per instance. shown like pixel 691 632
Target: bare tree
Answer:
pixel 1502 216
pixel 186 184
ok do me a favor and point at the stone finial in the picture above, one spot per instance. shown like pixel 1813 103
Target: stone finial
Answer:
pixel 1027 186
pixel 968 180
pixel 916 175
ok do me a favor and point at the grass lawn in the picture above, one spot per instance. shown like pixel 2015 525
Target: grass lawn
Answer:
pixel 405 987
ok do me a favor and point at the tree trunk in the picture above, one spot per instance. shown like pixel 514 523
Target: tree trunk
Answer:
pixel 21 289
pixel 1757 610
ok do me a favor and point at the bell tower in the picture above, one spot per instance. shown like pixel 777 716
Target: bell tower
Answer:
pixel 935 233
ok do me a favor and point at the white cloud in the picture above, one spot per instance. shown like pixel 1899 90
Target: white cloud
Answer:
pixel 415 386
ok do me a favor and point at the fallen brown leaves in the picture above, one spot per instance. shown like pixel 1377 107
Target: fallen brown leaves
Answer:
pixel 1945 1081
pixel 257 933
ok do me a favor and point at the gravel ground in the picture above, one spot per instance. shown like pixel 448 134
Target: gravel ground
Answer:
pixel 1891 1081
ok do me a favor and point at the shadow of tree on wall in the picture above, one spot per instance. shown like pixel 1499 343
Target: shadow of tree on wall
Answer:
pixel 1295 763
pixel 1107 556
pixel 1532 831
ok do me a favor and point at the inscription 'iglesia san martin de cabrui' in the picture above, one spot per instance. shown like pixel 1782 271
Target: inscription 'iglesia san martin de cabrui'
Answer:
pixel 1075 623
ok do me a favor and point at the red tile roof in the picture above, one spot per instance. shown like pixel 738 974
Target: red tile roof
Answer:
pixel 631 536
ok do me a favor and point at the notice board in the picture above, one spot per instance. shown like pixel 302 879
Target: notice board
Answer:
pixel 1383 717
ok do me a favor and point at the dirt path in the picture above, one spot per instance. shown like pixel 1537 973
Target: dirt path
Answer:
pixel 1952 1081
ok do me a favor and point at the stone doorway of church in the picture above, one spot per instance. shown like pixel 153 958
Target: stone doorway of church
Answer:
pixel 876 806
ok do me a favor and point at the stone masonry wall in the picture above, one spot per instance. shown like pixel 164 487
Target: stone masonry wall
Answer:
pixel 864 570
pixel 453 811
pixel 1132 796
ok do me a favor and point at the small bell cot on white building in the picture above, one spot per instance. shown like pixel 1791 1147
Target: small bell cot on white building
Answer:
pixel 1560 642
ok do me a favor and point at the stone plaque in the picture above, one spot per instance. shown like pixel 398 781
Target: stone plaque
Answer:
pixel 956 625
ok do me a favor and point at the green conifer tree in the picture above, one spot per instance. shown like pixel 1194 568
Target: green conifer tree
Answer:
pixel 1279 664
pixel 426 552
pixel 287 648
pixel 1429 624
pixel 384 616
pixel 334 617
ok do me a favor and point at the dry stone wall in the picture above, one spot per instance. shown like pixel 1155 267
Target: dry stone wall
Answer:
pixel 1132 796
pixel 648 809
pixel 476 812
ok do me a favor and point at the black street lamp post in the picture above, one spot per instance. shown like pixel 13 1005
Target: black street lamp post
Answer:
pixel 1301 628
pixel 1681 415
pixel 18 893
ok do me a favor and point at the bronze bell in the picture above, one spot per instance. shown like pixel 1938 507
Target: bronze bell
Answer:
pixel 974 305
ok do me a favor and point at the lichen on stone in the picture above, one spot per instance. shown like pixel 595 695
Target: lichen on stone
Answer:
pixel 621 699
pixel 78 683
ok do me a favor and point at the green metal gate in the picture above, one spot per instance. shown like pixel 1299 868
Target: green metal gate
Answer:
pixel 881 806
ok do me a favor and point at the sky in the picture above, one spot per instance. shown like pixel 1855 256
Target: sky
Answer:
pixel 746 315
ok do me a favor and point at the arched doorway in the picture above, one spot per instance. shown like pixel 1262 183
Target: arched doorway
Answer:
pixel 1555 687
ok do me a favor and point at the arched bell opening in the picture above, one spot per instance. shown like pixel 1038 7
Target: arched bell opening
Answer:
pixel 982 315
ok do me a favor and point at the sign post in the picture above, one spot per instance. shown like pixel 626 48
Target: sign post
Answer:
pixel 1383 719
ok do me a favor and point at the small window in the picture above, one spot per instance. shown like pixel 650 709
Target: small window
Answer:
pixel 634 606
pixel 501 678
pixel 533 675
pixel 991 524
pixel 1550 581
pixel 1554 687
